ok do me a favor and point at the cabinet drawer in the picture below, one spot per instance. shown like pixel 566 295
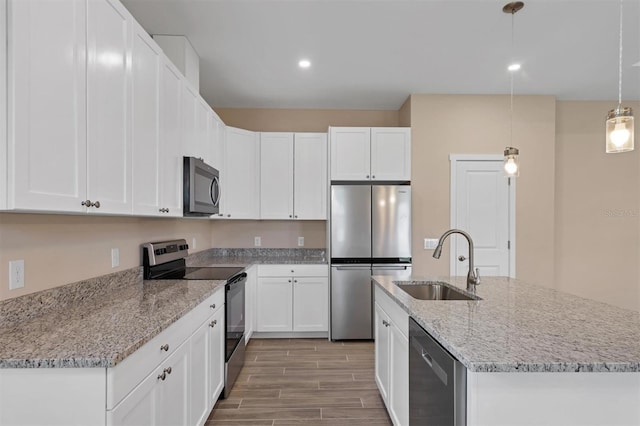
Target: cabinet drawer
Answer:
pixel 396 314
pixel 293 270
pixel 132 370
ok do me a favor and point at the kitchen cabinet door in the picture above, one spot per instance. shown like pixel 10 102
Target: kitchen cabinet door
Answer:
pixel 310 304
pixel 109 40
pixel 240 179
pixel 381 333
pixel 190 140
pixel 350 153
pixel 216 356
pixel 216 139
pixel 274 304
pixel 310 176
pixel 172 396
pixel 398 376
pixel 199 372
pixel 390 153
pixel 276 176
pixel 158 401
pixel 46 105
pixel 146 61
pixel 204 139
pixel 171 179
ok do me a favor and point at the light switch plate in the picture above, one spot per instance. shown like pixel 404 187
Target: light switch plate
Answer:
pixel 257 241
pixel 300 241
pixel 16 274
pixel 115 257
pixel 430 243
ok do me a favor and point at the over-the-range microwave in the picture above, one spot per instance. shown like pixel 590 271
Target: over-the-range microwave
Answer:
pixel 201 190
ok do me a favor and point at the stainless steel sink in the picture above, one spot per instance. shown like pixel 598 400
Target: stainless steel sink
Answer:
pixel 435 291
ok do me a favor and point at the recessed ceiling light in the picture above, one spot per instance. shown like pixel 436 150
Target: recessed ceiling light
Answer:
pixel 514 67
pixel 304 63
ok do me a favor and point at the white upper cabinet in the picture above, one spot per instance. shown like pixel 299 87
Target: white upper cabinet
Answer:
pixel 390 153
pixel 350 153
pixel 190 140
pixel 310 176
pixel 293 176
pixel 276 176
pixel 204 142
pixel 363 153
pixel 170 139
pixel 109 41
pixel 240 179
pixel 216 132
pixel 146 67
pixel 46 105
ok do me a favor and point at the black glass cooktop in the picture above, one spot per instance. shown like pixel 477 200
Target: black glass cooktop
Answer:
pixel 202 273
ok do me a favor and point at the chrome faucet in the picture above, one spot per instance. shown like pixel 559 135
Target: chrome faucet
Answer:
pixel 473 276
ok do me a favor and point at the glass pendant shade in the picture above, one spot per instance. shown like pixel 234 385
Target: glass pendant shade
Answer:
pixel 619 130
pixel 511 162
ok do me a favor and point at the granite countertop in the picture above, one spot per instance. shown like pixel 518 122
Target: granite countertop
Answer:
pixel 519 327
pixel 100 321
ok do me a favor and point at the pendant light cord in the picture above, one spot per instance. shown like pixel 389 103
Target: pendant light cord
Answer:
pixel 512 72
pixel 620 61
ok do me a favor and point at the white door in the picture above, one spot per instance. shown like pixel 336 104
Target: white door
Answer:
pixel 350 153
pixel 483 206
pixel 276 175
pixel 190 145
pixel 199 372
pixel 47 105
pixel 274 304
pixel 109 39
pixel 311 304
pixel 171 138
pixel 172 394
pixel 146 61
pixel 216 356
pixel 310 176
pixel 381 333
pixel 240 179
pixel 216 137
pixel 205 144
pixel 391 153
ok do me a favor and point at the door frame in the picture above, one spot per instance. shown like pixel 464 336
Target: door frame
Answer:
pixel 454 160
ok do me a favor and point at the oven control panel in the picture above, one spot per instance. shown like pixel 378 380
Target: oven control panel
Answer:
pixel 164 251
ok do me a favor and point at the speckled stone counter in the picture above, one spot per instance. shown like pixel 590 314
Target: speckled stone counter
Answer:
pixel 100 321
pixel 519 327
pixel 101 329
pixel 258 256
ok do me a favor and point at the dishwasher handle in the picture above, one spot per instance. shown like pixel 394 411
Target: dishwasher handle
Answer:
pixel 351 267
pixel 428 359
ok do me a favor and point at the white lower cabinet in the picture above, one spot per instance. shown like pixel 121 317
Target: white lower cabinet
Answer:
pixel 161 398
pixel 392 357
pixel 215 376
pixel 292 298
pixel 250 290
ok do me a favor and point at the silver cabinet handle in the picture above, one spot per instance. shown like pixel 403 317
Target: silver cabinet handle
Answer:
pixel 367 176
pixel 292 271
pixel 295 216
pixel 96 204
pixel 228 215
pixel 290 216
pixel 373 176
pixel 167 370
pixel 212 306
pixel 162 376
pixel 213 323
pixel 165 347
pixel 295 281
pixel 87 203
pixel 462 258
pixel 289 280
pixel 385 323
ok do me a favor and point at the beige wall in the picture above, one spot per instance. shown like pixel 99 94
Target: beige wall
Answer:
pixel 273 233
pixel 404 114
pixel 61 249
pixel 304 120
pixel 458 124
pixel 597 208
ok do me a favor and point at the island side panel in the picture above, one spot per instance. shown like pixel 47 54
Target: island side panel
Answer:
pixel 562 399
pixel 53 396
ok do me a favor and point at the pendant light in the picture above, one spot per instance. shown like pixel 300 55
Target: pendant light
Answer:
pixel 619 126
pixel 511 161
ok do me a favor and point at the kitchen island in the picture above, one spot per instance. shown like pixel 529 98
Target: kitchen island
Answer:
pixel 533 355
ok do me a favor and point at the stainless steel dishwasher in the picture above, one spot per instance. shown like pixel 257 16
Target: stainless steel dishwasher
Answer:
pixel 437 382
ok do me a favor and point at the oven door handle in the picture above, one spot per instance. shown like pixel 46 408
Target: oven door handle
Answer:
pixel 236 279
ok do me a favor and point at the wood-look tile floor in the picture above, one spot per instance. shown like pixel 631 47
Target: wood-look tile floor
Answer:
pixel 304 382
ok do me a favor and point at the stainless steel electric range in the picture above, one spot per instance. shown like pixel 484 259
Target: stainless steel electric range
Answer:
pixel 165 260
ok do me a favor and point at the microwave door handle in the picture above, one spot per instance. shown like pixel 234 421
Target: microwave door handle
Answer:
pixel 215 191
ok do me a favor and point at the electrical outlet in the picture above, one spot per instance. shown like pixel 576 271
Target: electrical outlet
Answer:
pixel 257 241
pixel 300 241
pixel 16 274
pixel 115 257
pixel 430 243
pixel 193 243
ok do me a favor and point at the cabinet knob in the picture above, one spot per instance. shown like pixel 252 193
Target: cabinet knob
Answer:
pixel 96 204
pixel 373 177
pixel 290 215
pixel 228 215
pixel 167 370
pixel 367 176
pixel 87 203
pixel 212 306
pixel 289 280
pixel 162 376
pixel 165 347
pixel 295 281
pixel 385 323
pixel 220 214
pixel 296 216
pixel 213 323
pixel 292 271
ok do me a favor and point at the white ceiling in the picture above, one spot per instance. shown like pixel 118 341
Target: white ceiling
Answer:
pixel 372 54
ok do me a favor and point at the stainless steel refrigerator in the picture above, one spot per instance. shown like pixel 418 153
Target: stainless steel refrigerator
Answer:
pixel 370 235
